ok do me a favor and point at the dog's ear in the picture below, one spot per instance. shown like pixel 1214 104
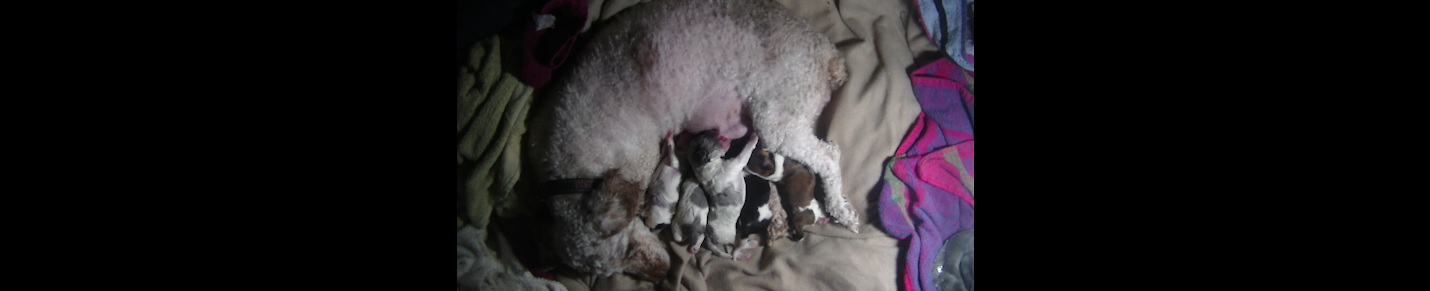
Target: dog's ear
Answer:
pixel 614 203
pixel 837 75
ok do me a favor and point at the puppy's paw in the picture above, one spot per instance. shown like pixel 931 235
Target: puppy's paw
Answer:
pixel 748 248
pixel 744 255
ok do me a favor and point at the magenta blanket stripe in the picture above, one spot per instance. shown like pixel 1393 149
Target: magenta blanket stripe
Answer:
pixel 927 191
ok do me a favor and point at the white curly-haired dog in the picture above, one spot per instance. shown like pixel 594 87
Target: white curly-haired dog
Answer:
pixel 686 66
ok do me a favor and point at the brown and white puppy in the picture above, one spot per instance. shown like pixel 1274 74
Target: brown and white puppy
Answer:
pixel 763 218
pixel 796 183
pixel 735 66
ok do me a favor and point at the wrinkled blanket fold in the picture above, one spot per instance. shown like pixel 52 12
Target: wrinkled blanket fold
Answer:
pixel 492 105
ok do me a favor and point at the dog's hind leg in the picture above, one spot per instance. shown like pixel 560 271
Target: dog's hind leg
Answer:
pixel 822 158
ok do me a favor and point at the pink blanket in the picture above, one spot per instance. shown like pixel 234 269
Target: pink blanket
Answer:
pixel 927 192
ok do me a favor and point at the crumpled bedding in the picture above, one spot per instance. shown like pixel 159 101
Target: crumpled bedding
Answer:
pixel 882 42
pixel 492 105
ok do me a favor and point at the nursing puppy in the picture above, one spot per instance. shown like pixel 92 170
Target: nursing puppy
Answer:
pixel 709 195
pixel 795 181
pixel 762 218
pixel 693 210
pixel 734 66
pixel 664 189
pixel 724 184
pixel 690 216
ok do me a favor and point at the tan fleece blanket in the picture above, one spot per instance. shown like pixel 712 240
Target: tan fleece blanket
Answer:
pixel 881 41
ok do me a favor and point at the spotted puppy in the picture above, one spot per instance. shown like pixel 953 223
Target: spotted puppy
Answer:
pixel 664 187
pixel 723 183
pixel 762 218
pixel 794 181
pixel 693 208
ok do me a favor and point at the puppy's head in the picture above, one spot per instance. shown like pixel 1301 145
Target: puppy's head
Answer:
pixel 767 165
pixel 706 149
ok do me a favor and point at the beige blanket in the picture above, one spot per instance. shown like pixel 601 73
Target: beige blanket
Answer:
pixel 881 41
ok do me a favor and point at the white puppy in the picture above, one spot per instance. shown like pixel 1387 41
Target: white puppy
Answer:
pixel 664 188
pixel 724 183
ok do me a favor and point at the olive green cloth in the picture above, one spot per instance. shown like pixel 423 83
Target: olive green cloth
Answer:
pixel 492 106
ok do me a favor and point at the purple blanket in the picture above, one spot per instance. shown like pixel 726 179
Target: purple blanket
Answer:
pixel 927 192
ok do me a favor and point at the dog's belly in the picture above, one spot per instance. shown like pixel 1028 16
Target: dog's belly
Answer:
pixel 720 110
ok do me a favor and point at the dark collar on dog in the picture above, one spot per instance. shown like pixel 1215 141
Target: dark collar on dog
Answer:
pixel 568 186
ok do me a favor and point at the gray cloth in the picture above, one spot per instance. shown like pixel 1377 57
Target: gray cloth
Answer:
pixel 953 267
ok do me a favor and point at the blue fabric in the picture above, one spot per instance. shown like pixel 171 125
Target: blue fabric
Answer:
pixel 949 24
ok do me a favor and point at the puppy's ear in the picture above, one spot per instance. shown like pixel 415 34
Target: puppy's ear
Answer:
pixel 614 203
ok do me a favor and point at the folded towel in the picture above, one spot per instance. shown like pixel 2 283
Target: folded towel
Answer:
pixel 927 192
pixel 492 106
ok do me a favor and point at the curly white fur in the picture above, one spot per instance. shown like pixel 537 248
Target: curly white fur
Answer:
pixel 682 66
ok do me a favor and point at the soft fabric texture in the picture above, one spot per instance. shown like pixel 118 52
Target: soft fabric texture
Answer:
pixel 927 195
pixel 950 25
pixel 548 37
pixel 491 107
pixel 953 268
pixel 867 118
pixel 479 267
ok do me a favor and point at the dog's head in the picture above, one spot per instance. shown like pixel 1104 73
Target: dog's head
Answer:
pixel 724 184
pixel 614 203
